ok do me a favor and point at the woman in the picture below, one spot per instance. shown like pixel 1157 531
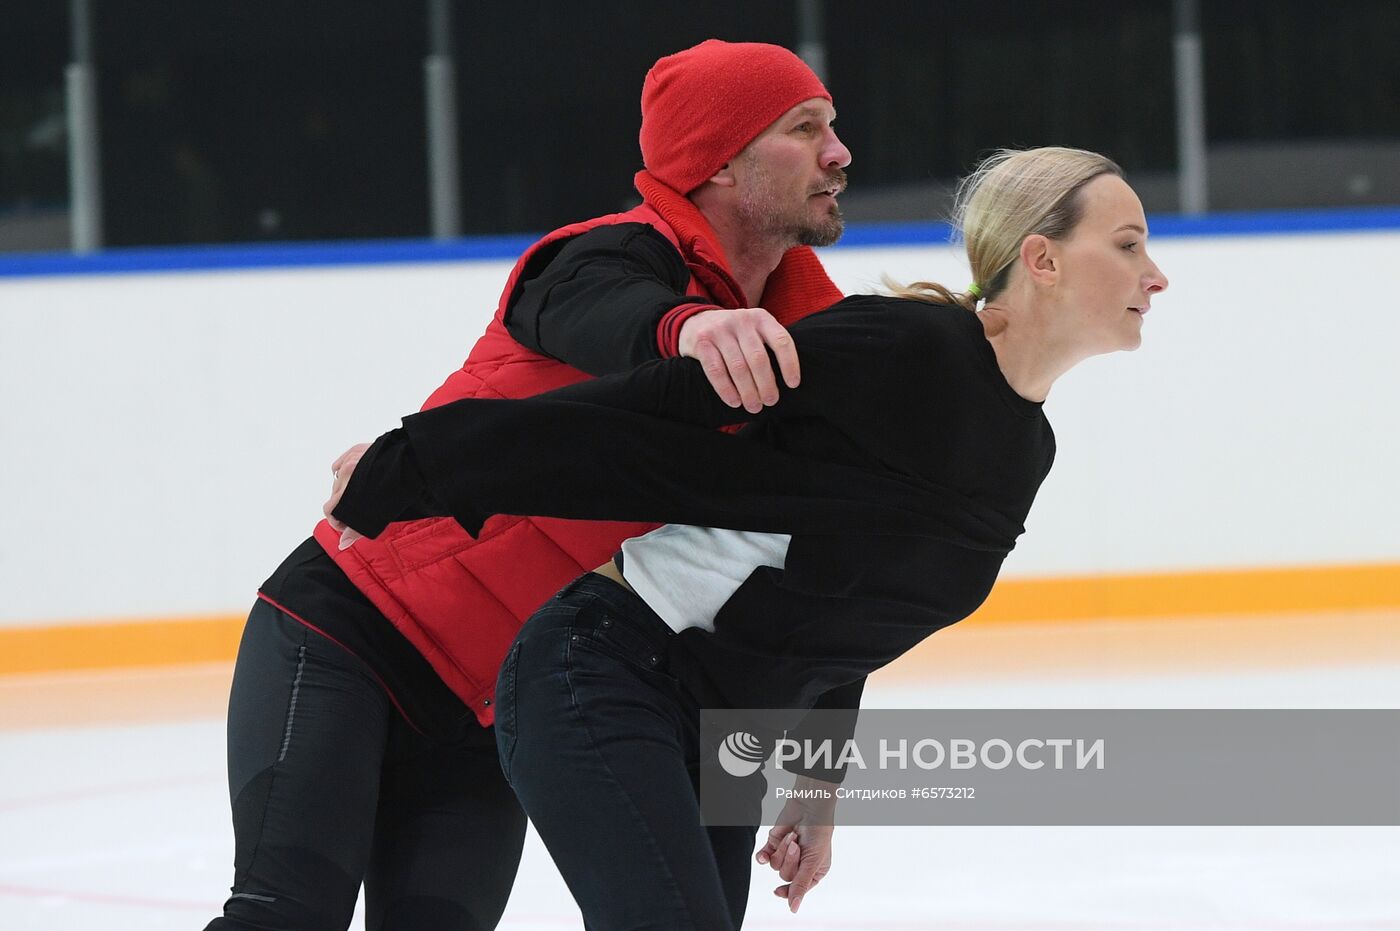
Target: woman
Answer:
pixel 909 458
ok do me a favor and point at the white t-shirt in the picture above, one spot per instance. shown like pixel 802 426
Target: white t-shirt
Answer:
pixel 686 574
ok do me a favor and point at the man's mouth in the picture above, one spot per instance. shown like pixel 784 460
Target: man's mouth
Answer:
pixel 832 189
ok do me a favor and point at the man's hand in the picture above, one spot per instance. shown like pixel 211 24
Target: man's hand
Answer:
pixel 341 470
pixel 799 845
pixel 730 345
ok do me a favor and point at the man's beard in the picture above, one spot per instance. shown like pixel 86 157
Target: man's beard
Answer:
pixel 764 218
pixel 824 232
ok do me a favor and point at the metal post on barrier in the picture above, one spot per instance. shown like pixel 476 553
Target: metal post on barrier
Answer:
pixel 440 93
pixel 84 155
pixel 1190 106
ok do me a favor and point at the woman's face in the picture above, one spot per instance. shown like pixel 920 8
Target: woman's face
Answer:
pixel 1106 278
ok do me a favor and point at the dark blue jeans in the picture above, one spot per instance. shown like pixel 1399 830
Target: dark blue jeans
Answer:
pixel 331 787
pixel 601 745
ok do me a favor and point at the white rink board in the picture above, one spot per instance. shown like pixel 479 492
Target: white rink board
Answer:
pixel 168 436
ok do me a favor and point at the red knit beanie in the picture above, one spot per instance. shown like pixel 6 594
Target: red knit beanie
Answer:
pixel 700 107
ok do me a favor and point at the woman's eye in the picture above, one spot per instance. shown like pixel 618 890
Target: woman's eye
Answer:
pixel 1130 246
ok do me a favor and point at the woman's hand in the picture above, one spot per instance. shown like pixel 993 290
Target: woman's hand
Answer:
pixel 341 470
pixel 799 845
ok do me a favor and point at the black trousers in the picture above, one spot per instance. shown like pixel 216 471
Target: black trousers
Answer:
pixel 331 788
pixel 602 746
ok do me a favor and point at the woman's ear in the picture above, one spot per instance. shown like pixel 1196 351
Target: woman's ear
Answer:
pixel 1039 256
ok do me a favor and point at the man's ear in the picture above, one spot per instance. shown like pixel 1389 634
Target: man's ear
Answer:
pixel 724 177
pixel 1038 256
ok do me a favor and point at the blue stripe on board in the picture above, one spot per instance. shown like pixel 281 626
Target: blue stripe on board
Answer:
pixel 403 251
pixel 263 255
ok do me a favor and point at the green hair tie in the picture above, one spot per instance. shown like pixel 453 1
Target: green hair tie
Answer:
pixel 975 290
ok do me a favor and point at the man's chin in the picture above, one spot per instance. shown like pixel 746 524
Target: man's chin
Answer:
pixel 825 233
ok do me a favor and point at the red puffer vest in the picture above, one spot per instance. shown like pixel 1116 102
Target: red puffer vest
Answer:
pixel 461 601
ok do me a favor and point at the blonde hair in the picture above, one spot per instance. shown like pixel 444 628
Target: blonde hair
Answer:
pixel 1012 194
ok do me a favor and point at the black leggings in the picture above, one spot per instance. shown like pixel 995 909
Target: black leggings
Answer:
pixel 331 787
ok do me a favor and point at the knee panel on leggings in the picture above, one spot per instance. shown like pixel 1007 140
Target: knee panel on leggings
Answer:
pixel 296 887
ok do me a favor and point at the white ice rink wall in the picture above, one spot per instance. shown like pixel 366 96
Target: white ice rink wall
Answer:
pixel 167 433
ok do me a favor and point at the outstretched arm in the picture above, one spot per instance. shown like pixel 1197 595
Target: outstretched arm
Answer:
pixel 584 461
pixel 630 447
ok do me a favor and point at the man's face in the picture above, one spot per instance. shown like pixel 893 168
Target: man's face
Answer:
pixel 788 178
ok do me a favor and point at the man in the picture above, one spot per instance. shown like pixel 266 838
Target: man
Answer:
pixel 359 724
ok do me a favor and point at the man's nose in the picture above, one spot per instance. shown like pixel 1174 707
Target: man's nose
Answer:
pixel 834 153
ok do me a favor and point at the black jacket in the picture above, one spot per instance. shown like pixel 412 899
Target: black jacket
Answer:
pixel 904 466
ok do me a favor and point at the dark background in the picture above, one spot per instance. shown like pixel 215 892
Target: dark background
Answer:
pixel 238 120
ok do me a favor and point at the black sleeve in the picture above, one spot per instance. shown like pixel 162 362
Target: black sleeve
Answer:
pixel 598 302
pixel 834 720
pixel 630 447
